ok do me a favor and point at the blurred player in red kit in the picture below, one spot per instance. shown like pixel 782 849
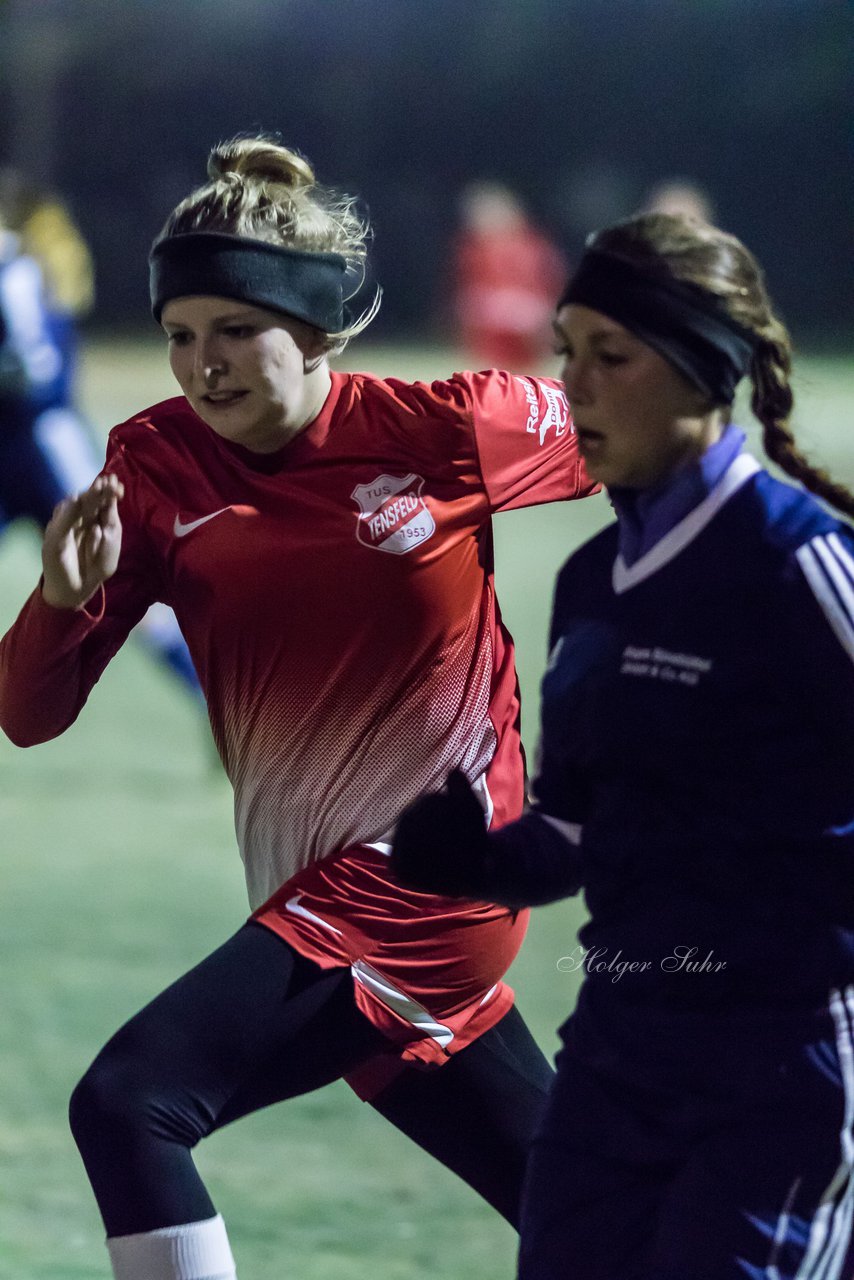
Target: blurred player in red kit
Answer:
pixel 506 276
pixel 324 539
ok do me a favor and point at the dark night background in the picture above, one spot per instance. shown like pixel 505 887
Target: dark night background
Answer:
pixel 579 104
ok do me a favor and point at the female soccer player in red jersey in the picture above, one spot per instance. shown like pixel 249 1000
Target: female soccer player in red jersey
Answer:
pixel 324 539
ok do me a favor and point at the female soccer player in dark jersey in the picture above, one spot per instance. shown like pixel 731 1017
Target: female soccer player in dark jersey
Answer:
pixel 696 779
pixel 325 542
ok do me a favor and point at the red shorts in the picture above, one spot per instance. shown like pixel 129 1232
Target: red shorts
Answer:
pixel 426 970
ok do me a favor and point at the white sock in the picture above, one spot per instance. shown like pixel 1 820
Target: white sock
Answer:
pixel 195 1251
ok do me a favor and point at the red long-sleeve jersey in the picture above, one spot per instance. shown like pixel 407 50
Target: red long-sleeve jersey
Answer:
pixel 337 598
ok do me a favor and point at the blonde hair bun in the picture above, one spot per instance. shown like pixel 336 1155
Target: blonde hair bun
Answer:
pixel 261 190
pixel 261 160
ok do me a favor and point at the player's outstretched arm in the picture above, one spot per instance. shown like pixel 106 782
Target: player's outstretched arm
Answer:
pixel 54 652
pixel 82 543
pixel 441 845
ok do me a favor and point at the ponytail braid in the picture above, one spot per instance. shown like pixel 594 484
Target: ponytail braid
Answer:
pixel 772 402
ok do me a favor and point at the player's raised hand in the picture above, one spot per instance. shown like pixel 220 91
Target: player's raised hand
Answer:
pixel 82 543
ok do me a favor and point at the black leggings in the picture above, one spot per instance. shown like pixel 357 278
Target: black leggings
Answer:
pixel 256 1023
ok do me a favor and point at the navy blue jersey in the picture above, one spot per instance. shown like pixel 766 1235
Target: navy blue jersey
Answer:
pixel 698 723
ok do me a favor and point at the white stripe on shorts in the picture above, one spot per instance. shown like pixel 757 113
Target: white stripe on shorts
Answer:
pixel 402 1004
pixel 830 1232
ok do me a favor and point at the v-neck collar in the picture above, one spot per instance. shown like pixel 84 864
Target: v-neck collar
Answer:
pixel 682 534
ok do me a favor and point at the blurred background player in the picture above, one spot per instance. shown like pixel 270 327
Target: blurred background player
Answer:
pixel 681 196
pixel 696 779
pixel 47 232
pixel 505 276
pixel 325 539
pixel 47 450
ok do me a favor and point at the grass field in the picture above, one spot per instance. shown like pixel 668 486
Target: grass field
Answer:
pixel 119 870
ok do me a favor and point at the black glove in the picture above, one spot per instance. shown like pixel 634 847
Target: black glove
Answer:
pixel 441 845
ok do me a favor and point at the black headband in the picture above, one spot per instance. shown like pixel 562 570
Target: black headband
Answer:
pixel 683 323
pixel 308 286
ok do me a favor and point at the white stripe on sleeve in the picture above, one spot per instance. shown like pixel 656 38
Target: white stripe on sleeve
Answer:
pixel 826 575
pixel 842 554
pixel 834 567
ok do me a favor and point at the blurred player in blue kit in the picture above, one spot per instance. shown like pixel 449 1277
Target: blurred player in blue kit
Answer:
pixel 696 780
pixel 46 448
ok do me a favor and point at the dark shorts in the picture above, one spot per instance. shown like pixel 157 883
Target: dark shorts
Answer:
pixel 630 1182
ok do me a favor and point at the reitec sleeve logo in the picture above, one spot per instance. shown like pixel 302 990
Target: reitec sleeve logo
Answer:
pixel 553 414
pixel 392 514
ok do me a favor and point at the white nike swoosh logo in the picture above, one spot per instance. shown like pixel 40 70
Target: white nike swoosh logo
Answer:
pixel 181 530
pixel 293 904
